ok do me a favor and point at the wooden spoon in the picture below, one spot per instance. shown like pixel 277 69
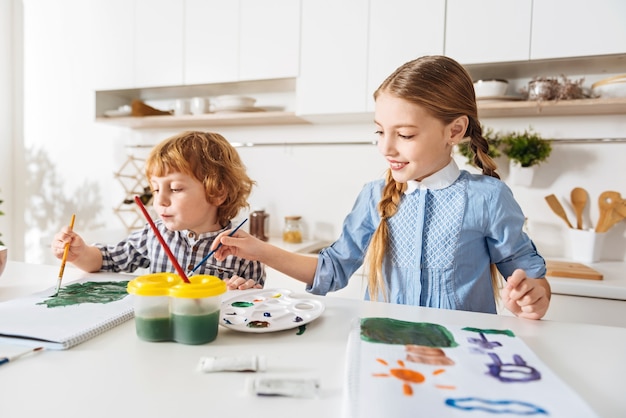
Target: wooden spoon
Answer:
pixel 579 201
pixel 609 216
pixel 557 208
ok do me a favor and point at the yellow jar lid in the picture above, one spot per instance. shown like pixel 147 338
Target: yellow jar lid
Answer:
pixel 200 286
pixel 155 284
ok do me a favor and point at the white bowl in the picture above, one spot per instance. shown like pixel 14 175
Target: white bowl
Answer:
pixel 3 258
pixel 231 101
pixel 610 89
pixel 490 88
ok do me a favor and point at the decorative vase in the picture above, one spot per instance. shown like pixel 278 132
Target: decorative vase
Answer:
pixel 520 176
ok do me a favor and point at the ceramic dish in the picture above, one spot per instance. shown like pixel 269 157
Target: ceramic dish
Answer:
pixel 231 100
pixel 223 109
pixel 117 113
pixel 612 89
pixel 268 310
pixel 486 88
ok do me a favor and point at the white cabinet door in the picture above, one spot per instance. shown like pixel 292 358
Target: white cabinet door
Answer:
pixel 572 28
pixel 333 57
pixel 113 24
pixel 482 31
pixel 159 43
pixel 270 39
pixel 395 38
pixel 211 41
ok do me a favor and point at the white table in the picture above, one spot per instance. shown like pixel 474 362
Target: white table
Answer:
pixel 116 374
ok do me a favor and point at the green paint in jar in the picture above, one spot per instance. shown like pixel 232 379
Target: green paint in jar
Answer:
pixel 153 329
pixel 195 329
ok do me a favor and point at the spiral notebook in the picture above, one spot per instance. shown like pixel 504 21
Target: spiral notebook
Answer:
pixel 83 309
pixel 399 368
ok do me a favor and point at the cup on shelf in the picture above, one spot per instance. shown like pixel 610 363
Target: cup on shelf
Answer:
pixel 198 105
pixel 181 107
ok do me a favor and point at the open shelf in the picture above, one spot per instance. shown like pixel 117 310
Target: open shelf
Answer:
pixel 206 120
pixel 501 109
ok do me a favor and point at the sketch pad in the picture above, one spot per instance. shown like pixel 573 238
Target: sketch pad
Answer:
pixel 34 321
pixel 397 368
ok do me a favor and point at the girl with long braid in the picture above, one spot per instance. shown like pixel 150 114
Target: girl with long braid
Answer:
pixel 429 233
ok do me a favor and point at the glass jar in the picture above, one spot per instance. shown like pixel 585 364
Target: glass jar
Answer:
pixel 292 232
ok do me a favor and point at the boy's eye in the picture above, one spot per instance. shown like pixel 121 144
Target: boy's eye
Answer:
pixel 175 190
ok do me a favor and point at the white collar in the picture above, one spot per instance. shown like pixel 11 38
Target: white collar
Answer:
pixel 439 180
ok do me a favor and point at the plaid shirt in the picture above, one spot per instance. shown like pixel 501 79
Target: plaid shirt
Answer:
pixel 142 249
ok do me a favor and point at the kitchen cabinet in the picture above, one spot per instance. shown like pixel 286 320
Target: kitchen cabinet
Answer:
pixel 211 34
pixel 228 41
pixel 269 39
pixel 574 28
pixel 333 57
pixel 394 38
pixel 158 43
pixel 114 49
pixel 479 31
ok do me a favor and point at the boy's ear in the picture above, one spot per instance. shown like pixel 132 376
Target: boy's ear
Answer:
pixel 218 200
pixel 458 127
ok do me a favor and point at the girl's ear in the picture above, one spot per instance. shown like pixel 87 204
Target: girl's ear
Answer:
pixel 458 127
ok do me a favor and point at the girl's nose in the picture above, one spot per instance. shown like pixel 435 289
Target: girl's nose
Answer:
pixel 385 145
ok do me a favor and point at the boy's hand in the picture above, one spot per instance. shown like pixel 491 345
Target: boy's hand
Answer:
pixel 77 244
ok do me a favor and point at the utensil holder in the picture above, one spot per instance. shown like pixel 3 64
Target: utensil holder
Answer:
pixel 585 245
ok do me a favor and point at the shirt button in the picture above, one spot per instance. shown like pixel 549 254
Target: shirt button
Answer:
pixel 190 267
pixel 191 235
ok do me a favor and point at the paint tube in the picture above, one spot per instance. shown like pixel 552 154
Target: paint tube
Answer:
pixel 283 386
pixel 233 364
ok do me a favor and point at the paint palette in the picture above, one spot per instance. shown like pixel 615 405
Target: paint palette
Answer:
pixel 268 310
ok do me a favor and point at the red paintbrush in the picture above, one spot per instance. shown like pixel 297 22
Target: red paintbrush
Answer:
pixel 177 266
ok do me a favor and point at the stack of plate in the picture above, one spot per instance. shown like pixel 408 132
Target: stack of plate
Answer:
pixel 610 87
pixel 235 103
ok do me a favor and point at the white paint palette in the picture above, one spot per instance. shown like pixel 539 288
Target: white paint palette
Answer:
pixel 268 310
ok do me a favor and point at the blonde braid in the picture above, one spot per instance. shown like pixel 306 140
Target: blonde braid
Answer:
pixel 387 207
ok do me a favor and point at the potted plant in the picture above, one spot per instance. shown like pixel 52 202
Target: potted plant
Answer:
pixel 525 150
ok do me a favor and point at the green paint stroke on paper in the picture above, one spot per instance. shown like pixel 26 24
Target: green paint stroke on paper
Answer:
pixel 301 330
pixel 88 292
pixel 491 331
pixel 394 331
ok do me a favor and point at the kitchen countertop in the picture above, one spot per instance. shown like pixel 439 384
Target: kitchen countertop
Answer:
pixel 612 286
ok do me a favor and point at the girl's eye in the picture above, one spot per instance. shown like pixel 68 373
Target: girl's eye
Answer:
pixel 405 136
pixel 378 133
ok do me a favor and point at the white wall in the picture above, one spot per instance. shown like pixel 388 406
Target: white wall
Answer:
pixel 70 160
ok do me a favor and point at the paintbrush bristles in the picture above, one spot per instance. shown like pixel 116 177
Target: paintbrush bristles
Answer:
pixel 66 250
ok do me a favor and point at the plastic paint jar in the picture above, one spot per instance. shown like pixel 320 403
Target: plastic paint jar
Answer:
pixel 195 309
pixel 151 295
